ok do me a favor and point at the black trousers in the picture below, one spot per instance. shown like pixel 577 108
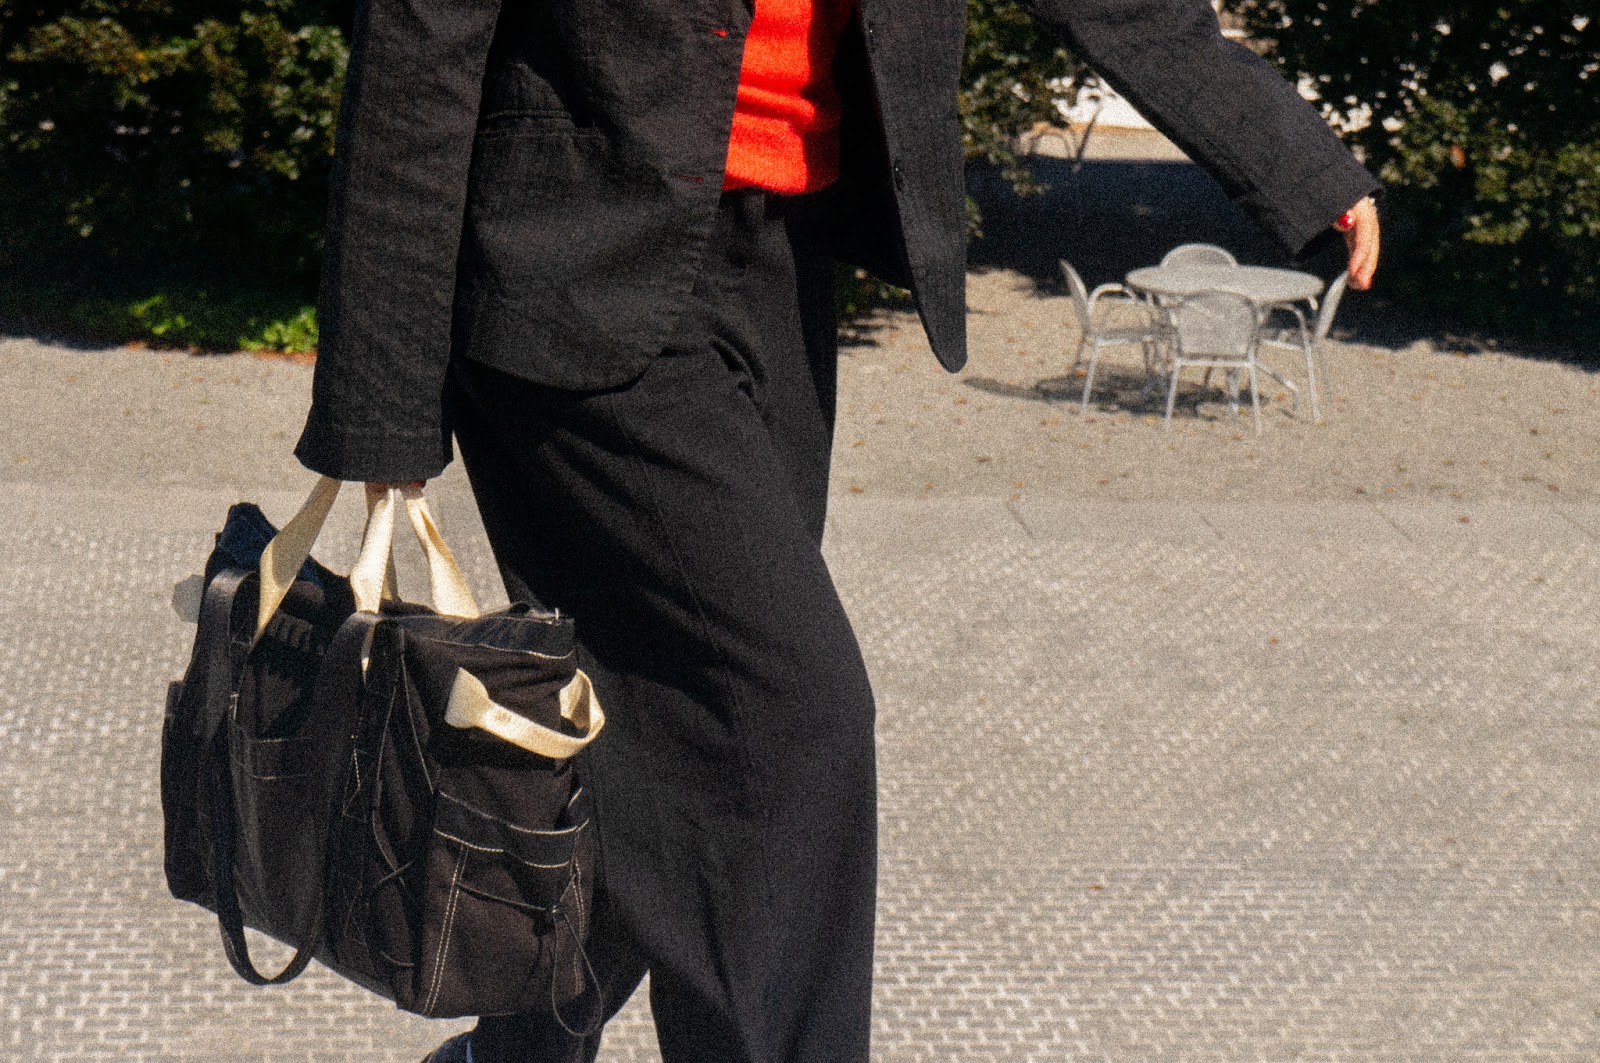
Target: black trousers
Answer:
pixel 679 520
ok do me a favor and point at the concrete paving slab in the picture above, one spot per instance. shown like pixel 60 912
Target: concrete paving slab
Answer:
pixel 912 521
pixel 1196 812
pixel 1527 524
pixel 1273 523
pixel 1058 520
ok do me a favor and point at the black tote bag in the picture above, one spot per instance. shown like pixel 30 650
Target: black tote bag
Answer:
pixel 382 786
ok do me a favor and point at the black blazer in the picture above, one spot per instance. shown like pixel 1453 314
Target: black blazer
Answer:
pixel 532 185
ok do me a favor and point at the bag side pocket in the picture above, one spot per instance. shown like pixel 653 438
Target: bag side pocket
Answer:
pixel 502 901
pixel 276 792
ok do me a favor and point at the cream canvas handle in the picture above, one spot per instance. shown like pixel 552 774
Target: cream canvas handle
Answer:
pixel 288 550
pixel 447 585
pixel 373 570
pixel 471 706
pixel 371 579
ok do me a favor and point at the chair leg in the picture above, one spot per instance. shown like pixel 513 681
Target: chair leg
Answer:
pixel 1285 382
pixel 1088 380
pixel 1327 378
pixel 1255 397
pixel 1311 386
pixel 1172 392
pixel 1152 371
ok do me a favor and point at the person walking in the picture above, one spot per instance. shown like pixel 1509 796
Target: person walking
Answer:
pixel 595 242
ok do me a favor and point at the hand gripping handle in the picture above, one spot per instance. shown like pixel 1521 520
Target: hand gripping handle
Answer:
pixel 288 550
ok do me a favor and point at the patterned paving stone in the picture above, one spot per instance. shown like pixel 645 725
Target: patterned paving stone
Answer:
pixel 1300 797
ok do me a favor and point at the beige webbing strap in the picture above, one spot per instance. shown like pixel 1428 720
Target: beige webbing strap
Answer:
pixel 288 550
pixel 448 586
pixel 371 579
pixel 391 587
pixel 369 576
pixel 471 706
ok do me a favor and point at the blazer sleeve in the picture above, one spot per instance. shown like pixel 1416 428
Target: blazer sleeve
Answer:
pixel 1230 111
pixel 398 192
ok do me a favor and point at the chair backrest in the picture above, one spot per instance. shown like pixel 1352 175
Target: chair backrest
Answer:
pixel 1198 255
pixel 1329 306
pixel 1080 295
pixel 1215 324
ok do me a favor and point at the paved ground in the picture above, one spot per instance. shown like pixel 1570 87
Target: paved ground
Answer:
pixel 1196 746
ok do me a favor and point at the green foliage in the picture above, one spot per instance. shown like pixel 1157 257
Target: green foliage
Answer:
pixel 211 320
pixel 1006 83
pixel 227 322
pixel 181 147
pixel 1482 121
pixel 168 137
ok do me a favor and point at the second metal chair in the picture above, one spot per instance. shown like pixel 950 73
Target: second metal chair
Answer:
pixel 1150 334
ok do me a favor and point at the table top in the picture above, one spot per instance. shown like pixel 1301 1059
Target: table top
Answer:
pixel 1263 285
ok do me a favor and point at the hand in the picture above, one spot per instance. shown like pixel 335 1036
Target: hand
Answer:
pixel 1362 240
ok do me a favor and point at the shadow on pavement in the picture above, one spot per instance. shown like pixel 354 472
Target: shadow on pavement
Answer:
pixel 1118 389
pixel 1109 216
pixel 1105 217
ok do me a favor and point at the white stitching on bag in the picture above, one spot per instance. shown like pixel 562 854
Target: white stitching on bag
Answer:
pixel 444 933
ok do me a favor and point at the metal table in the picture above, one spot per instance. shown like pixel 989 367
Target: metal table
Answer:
pixel 1265 286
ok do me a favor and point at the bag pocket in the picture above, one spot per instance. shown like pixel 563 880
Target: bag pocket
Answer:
pixel 277 789
pixel 507 911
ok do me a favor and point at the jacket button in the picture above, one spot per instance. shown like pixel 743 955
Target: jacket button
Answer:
pixel 899 176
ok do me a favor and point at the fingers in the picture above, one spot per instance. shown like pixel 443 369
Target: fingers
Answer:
pixel 1362 239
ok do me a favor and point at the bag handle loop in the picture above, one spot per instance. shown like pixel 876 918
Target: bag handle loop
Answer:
pixel 471 706
pixel 287 552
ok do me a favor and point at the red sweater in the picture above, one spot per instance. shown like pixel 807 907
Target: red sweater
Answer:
pixel 786 119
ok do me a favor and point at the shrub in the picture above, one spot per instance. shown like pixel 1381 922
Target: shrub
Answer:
pixel 1481 121
pixel 1009 83
pixel 163 163
pixel 167 138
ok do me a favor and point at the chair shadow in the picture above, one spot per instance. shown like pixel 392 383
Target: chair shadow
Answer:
pixel 1122 390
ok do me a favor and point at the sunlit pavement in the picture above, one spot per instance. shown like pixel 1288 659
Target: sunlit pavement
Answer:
pixel 1197 767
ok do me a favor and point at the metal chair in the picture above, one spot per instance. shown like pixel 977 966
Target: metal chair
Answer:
pixel 1218 330
pixel 1308 340
pixel 1198 255
pixel 1194 255
pixel 1149 334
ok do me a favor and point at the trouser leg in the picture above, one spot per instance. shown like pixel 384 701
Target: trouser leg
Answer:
pixel 679 521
